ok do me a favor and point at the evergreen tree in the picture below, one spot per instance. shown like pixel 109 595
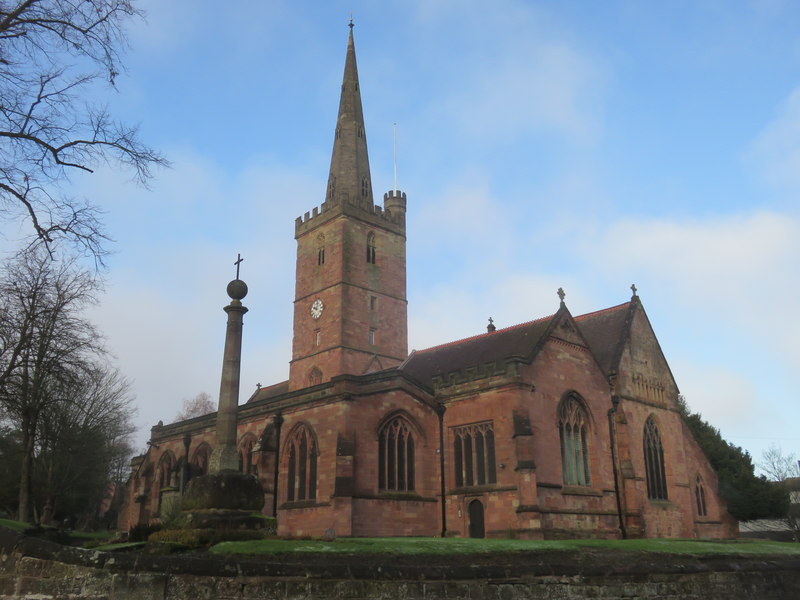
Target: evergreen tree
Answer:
pixel 748 496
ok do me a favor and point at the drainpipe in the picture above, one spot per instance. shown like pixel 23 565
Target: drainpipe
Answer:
pixel 613 439
pixel 277 420
pixel 440 411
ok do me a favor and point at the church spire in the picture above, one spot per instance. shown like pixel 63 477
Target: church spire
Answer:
pixel 349 179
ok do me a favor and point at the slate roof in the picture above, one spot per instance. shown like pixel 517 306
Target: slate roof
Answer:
pixel 518 340
pixel 604 330
pixel 270 391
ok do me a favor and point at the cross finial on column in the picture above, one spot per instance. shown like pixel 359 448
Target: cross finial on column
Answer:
pixel 633 289
pixel 239 260
pixel 561 294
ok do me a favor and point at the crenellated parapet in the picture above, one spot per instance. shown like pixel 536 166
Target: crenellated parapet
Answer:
pixel 391 216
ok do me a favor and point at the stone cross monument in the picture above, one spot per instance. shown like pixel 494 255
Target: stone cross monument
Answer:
pixel 225 455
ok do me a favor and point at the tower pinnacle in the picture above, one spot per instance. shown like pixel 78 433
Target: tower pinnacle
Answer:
pixel 349 179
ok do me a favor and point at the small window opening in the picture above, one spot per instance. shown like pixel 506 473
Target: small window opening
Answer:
pixel 317 337
pixel 371 337
pixel 371 252
pixel 373 302
pixel 320 250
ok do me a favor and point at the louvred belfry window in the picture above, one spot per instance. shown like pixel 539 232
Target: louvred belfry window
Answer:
pixel 396 456
pixel 473 454
pixel 301 479
pixel 573 425
pixel 654 462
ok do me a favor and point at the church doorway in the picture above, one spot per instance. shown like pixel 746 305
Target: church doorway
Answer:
pixel 476 529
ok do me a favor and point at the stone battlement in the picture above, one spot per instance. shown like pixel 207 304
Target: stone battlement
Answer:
pixel 392 214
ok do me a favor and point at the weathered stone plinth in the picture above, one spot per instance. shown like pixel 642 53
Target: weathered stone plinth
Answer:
pixel 223 501
pixel 226 490
pixel 215 518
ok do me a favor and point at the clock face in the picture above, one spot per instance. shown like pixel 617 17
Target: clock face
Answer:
pixel 316 309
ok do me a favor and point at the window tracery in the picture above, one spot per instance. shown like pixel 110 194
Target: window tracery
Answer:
pixel 301 477
pixel 573 424
pixel 473 454
pixel 396 459
pixel 654 461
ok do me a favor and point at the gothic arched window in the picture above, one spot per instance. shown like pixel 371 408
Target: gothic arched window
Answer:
pixel 166 470
pixel 315 376
pixel 321 249
pixel 700 497
pixel 364 187
pixel 473 454
pixel 371 253
pixel 573 425
pixel 331 187
pixel 200 459
pixel 301 480
pixel 654 461
pixel 396 456
pixel 246 454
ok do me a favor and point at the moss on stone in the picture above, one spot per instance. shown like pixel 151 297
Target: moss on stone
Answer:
pixel 227 489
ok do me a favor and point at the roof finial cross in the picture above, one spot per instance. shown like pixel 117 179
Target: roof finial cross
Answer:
pixel 633 289
pixel 238 262
pixel 561 294
pixel 491 327
pixel 351 20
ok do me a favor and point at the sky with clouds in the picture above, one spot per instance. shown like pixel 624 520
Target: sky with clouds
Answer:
pixel 572 144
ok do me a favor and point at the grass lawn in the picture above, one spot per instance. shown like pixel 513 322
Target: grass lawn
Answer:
pixel 450 546
pixel 15 525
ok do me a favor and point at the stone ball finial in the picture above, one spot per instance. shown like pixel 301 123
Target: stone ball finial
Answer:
pixel 237 289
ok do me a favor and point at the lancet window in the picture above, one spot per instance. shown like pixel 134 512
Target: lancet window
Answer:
pixel 301 477
pixel 700 497
pixel 371 252
pixel 573 427
pixel 246 454
pixel 654 461
pixel 396 456
pixel 166 470
pixel 315 376
pixel 200 459
pixel 473 454
pixel 321 249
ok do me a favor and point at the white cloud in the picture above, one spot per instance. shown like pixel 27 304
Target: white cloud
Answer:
pixel 776 150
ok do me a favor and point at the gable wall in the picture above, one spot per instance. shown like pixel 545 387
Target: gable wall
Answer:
pixel 560 367
pixel 646 388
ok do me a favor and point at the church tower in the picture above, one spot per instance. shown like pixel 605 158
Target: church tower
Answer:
pixel 350 307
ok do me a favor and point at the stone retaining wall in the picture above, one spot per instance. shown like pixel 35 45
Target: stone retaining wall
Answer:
pixel 39 570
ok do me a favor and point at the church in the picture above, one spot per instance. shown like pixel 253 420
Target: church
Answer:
pixel 565 426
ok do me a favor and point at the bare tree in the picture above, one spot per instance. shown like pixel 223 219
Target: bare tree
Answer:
pixel 785 470
pixel 46 346
pixel 52 55
pixel 82 441
pixel 200 405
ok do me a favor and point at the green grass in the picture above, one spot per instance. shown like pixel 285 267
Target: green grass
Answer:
pixel 449 546
pixel 120 546
pixel 15 525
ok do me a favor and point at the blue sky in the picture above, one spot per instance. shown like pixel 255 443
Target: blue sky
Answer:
pixel 583 145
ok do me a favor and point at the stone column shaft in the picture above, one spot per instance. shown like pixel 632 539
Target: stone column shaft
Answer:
pixel 224 455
